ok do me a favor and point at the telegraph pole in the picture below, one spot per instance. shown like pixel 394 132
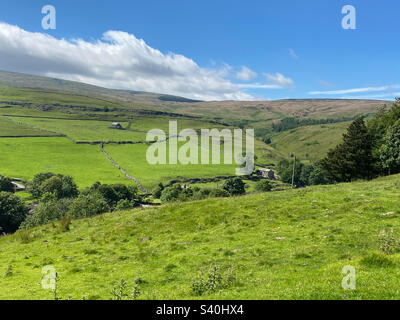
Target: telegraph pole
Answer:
pixel 294 166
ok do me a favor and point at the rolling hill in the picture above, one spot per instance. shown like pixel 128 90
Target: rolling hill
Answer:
pixel 280 245
pixel 255 111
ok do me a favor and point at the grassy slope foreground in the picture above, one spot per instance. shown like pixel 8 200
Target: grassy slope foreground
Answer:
pixel 290 244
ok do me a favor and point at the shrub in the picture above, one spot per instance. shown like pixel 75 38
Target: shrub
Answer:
pixel 157 191
pixel 48 210
pixel 200 194
pixel 170 194
pixel 263 186
pixel 213 281
pixel 234 186
pixel 124 204
pixel 65 224
pixel 88 205
pixel 219 193
pixel 6 184
pixel 12 212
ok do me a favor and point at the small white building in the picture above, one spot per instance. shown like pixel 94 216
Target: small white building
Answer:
pixel 116 125
pixel 18 186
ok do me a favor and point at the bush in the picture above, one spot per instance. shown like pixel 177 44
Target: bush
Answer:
pixel 158 190
pixel 200 194
pixel 12 212
pixel 171 194
pixel 6 184
pixel 234 186
pixel 88 205
pixel 212 282
pixel 263 186
pixel 219 193
pixel 48 210
pixel 124 204
pixel 114 193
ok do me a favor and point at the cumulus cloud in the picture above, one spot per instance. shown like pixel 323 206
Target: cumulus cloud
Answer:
pixel 278 79
pixel 246 74
pixel 118 60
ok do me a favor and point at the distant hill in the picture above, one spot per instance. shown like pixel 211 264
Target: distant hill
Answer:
pixel 26 81
pixel 223 110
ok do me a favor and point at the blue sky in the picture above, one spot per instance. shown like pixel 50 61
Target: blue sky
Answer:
pixel 212 49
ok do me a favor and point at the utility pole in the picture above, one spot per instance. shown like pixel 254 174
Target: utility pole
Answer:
pixel 294 166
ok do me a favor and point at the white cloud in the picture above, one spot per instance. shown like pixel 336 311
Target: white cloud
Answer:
pixel 356 90
pixel 246 74
pixel 279 80
pixel 118 60
pixel 259 86
pixel 293 54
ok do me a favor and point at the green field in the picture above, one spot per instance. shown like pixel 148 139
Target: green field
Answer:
pixel 282 245
pixel 9 128
pixel 133 159
pixel 24 157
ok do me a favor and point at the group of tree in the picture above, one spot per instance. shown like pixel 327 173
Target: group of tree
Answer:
pixel 230 188
pixel 292 123
pixel 57 197
pixel 294 171
pixel 370 148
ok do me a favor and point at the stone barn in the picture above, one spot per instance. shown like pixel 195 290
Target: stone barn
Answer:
pixel 116 125
pixel 266 173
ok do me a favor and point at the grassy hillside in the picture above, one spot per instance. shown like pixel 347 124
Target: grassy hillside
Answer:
pixel 288 245
pixel 310 142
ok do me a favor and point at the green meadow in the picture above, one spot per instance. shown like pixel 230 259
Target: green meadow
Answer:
pixel 9 128
pixel 133 159
pixel 280 245
pixel 24 157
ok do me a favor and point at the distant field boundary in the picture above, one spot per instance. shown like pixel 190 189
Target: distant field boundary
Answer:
pixel 53 133
pixel 123 170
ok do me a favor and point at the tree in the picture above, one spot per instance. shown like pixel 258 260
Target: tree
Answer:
pixel 234 186
pixel 12 212
pixel 285 169
pixel 352 159
pixel 37 182
pixel 60 185
pixel 390 150
pixel 6 184
pixel 87 205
